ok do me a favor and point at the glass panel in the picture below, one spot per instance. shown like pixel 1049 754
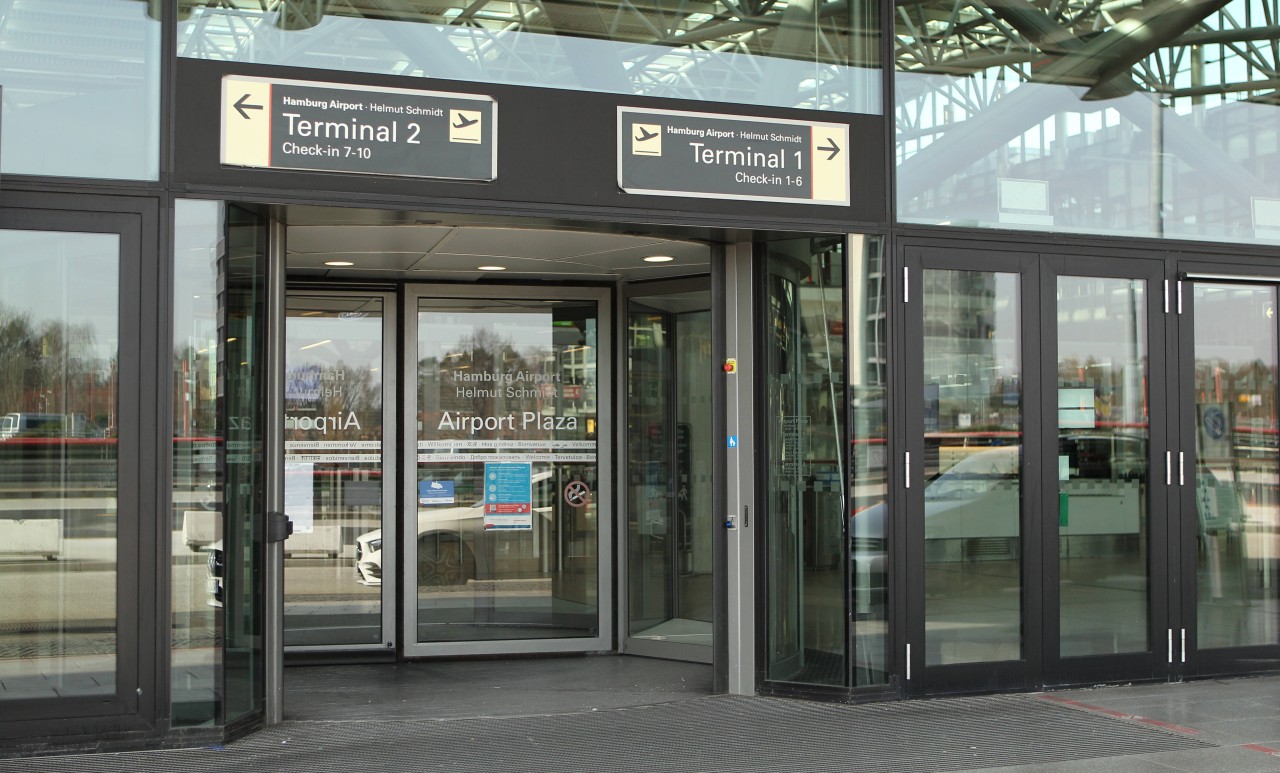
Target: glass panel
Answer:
pixel 1103 471
pixel 81 88
pixel 236 566
pixel 197 436
pixel 820 56
pixel 1237 478
pixel 804 441
pixel 333 470
pixel 868 484
pixel 1144 119
pixel 59 344
pixel 507 470
pixel 973 443
pixel 670 522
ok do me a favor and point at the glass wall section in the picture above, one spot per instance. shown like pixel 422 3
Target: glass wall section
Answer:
pixel 972 408
pixel 60 628
pixel 237 566
pixel 1142 118
pixel 197 439
pixel 804 474
pixel 81 82
pixel 784 53
pixel 506 533
pixel 669 458
pixel 1103 477
pixel 1237 473
pixel 334 372
pixel 868 431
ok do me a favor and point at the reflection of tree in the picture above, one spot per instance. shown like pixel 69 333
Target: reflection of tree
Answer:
pixel 50 366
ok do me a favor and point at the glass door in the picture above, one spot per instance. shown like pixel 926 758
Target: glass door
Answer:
pixel 337 425
pixel 969 523
pixel 1105 494
pixel 1038 532
pixel 1230 476
pixel 670 522
pixel 507 521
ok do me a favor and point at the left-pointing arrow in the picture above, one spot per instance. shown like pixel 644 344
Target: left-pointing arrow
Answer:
pixel 242 107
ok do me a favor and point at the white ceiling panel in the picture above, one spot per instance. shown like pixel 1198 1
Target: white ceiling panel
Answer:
pixel 365 238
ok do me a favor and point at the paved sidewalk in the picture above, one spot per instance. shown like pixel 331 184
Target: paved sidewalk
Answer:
pixel 630 714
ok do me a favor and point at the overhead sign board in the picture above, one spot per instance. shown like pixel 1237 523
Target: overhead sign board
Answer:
pixel 671 153
pixel 334 127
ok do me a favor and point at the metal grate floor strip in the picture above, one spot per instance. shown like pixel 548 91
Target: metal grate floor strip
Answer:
pixel 716 733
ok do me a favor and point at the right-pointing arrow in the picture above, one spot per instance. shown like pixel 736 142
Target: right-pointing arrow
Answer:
pixel 834 148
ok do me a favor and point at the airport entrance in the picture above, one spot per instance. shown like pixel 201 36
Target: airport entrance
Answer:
pixel 462 453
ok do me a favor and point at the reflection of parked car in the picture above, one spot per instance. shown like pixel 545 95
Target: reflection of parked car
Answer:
pixel 449 538
pixel 217 570
pixel 972 509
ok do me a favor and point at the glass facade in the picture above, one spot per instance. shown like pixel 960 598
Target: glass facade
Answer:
pixel 81 81
pixel 197 497
pixel 972 407
pixel 61 530
pixel 1046 536
pixel 1150 119
pixel 817 56
pixel 1237 477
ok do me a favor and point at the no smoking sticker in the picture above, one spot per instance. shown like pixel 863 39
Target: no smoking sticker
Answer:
pixel 577 494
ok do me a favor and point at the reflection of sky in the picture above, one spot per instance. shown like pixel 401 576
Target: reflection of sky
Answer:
pixel 197 244
pixel 81 89
pixel 63 278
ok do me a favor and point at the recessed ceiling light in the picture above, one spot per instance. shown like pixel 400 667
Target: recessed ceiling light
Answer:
pixel 659 259
pixel 492 268
pixel 338 263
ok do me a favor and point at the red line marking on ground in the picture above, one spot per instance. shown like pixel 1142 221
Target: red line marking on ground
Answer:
pixel 1167 726
pixel 1122 715
pixel 1264 749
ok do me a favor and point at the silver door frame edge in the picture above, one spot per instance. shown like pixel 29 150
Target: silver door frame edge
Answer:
pixel 604 471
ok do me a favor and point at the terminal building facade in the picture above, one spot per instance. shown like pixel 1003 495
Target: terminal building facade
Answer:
pixel 863 351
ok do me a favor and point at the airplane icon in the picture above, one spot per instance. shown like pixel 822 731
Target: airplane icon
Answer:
pixel 645 134
pixel 646 139
pixel 463 122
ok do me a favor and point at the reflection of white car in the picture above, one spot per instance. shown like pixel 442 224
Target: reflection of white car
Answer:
pixel 448 538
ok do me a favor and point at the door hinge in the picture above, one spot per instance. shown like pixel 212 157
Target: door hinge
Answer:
pixel 908 662
pixel 1170 645
pixel 906 284
pixel 906 470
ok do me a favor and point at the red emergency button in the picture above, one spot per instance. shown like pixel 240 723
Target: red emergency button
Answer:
pixel 730 365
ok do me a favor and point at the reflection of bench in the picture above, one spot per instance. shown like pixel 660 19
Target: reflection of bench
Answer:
pixel 322 540
pixel 31 537
pixel 201 528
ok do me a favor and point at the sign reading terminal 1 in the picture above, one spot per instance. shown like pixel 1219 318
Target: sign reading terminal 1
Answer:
pixel 671 153
pixel 334 127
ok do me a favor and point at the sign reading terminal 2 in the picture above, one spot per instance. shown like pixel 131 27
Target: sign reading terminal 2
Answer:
pixel 670 153
pixel 334 127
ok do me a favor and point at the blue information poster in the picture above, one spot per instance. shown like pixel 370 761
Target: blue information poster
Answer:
pixel 435 492
pixel 508 495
